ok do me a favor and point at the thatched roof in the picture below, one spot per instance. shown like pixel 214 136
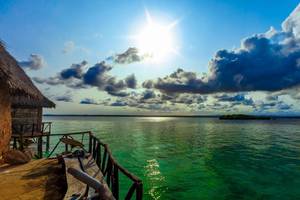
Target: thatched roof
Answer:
pixel 22 89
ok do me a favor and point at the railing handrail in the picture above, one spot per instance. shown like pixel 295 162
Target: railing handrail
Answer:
pixel 125 171
pixel 20 124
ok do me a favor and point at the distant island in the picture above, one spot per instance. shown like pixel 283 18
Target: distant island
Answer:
pixel 244 117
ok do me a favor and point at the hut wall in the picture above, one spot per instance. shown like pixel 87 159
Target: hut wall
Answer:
pixel 26 116
pixel 5 120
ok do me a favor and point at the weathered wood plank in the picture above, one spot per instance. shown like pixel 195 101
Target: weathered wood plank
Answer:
pixel 75 187
pixel 93 170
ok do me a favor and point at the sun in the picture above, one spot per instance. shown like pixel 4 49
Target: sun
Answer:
pixel 156 40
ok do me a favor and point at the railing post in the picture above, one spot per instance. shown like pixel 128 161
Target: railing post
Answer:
pixel 98 160
pixel 90 143
pixel 66 148
pixel 21 138
pixel 109 171
pixel 47 143
pixel 139 191
pixel 15 143
pixel 42 128
pixel 94 148
pixel 115 182
pixel 32 130
pixel 40 147
pixel 49 126
pixel 104 159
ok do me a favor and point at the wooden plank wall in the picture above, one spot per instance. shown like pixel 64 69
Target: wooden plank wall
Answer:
pixel 5 119
pixel 26 116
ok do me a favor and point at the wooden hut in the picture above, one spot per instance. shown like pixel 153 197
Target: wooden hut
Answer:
pixel 20 101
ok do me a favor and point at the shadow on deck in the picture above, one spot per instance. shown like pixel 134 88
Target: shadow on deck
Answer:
pixel 38 179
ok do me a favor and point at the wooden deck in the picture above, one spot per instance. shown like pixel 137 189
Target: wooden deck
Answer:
pixel 76 187
pixel 39 179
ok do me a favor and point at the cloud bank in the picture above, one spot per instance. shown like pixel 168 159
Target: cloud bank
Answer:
pixel 264 62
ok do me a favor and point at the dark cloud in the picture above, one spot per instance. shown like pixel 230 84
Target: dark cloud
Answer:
pixel 264 62
pixel 95 76
pixel 119 103
pixel 238 99
pixel 151 100
pixel 71 77
pixel 98 76
pixel 148 84
pixel 284 106
pixel 186 99
pixel 148 94
pixel 272 97
pixel 89 101
pixel 131 81
pixel 34 62
pixel 275 105
pixel 75 71
pixel 131 55
pixel 64 98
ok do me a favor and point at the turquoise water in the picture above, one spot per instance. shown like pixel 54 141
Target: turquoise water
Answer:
pixel 201 158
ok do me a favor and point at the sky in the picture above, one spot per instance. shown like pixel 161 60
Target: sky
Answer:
pixel 159 57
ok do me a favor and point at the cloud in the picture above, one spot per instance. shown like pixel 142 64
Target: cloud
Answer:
pixel 34 62
pixel 50 81
pixel 118 103
pixel 148 94
pixel 237 99
pixel 151 100
pixel 275 105
pixel 131 55
pixel 71 77
pixel 69 47
pixel 131 81
pixel 76 71
pixel 264 62
pixel 64 98
pixel 89 101
pixel 98 76
pixel 284 106
pixel 78 77
pixel 272 97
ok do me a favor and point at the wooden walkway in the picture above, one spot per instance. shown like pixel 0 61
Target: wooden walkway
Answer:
pixel 38 179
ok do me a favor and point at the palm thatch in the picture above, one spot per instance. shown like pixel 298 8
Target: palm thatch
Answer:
pixel 23 91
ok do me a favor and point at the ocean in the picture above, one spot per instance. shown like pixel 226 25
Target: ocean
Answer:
pixel 201 158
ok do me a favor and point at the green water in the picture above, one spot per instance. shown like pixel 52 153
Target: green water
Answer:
pixel 201 158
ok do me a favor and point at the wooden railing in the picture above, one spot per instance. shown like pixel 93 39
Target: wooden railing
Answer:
pixel 110 169
pixel 22 131
pixel 101 153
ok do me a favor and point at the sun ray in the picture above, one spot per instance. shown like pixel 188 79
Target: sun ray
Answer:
pixel 157 39
pixel 148 16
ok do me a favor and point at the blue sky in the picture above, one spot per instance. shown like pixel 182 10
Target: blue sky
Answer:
pixel 95 30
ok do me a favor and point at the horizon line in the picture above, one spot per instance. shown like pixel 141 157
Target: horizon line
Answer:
pixel 149 115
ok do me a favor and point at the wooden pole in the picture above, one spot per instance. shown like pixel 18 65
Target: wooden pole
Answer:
pixel 115 183
pixel 21 138
pixel 40 147
pixel 47 143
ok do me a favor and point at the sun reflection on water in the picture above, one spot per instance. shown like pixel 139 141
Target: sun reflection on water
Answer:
pixel 157 119
pixel 155 179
